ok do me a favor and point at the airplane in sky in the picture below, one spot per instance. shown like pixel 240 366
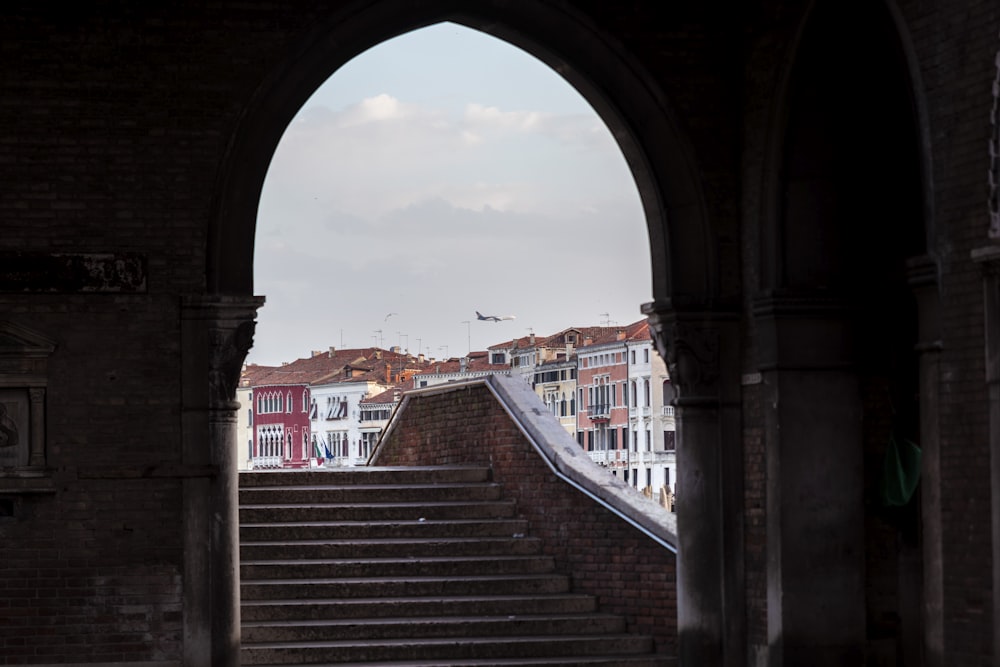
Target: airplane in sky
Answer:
pixel 493 318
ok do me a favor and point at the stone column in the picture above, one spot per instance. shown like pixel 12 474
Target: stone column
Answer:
pixel 216 334
pixel 923 281
pixel 36 451
pixel 815 521
pixel 702 357
pixel 989 259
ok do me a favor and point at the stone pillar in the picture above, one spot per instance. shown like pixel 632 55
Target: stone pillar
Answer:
pixel 989 259
pixel 216 334
pixel 923 279
pixel 36 451
pixel 702 357
pixel 815 484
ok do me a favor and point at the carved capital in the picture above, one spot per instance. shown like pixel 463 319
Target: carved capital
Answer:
pixel 691 350
pixel 229 347
pixel 225 327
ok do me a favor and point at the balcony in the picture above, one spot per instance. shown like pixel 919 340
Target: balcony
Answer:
pixel 266 462
pixel 668 411
pixel 599 412
pixel 600 457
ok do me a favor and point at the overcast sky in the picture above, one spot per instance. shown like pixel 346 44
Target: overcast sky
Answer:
pixel 441 173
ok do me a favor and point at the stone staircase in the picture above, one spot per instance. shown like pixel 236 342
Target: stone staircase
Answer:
pixel 408 566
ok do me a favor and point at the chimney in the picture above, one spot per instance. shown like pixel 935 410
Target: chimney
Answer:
pixel 620 334
pixel 331 351
pixel 531 338
pixel 315 353
pixel 463 364
pixel 588 341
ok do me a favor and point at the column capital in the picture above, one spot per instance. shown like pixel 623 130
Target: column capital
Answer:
pixel 228 324
pixel 690 341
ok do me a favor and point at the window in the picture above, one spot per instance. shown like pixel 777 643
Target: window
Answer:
pixel 633 357
pixel 368 441
pixel 250 417
pixel 669 441
pixel 649 477
pixel 288 407
pixel 649 441
pixel 645 355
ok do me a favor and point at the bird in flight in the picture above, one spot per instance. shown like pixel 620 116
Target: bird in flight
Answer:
pixel 388 316
pixel 493 318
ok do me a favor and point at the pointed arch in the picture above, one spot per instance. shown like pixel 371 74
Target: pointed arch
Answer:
pixel 623 94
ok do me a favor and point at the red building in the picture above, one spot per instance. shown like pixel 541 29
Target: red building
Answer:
pixel 280 414
pixel 602 394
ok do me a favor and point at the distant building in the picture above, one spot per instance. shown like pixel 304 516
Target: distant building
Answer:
pixel 622 419
pixel 306 413
pixel 476 364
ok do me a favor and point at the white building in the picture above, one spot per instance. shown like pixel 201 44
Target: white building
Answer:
pixel 651 418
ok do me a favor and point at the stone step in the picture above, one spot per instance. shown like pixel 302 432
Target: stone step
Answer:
pixel 368 493
pixel 366 475
pixel 394 587
pixel 566 661
pixel 441 649
pixel 427 627
pixel 394 567
pixel 368 608
pixel 413 567
pixel 374 530
pixel 386 511
pixel 386 548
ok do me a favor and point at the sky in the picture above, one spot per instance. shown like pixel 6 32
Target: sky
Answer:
pixel 437 174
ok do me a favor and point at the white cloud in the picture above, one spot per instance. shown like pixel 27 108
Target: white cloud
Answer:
pixel 434 205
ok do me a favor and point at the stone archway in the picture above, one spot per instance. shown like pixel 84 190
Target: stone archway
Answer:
pixel 682 250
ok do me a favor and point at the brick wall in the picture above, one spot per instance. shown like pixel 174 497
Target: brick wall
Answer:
pixel 629 573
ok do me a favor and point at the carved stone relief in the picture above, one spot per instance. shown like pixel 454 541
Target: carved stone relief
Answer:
pixel 229 349
pixel 24 358
pixel 691 353
pixel 15 429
